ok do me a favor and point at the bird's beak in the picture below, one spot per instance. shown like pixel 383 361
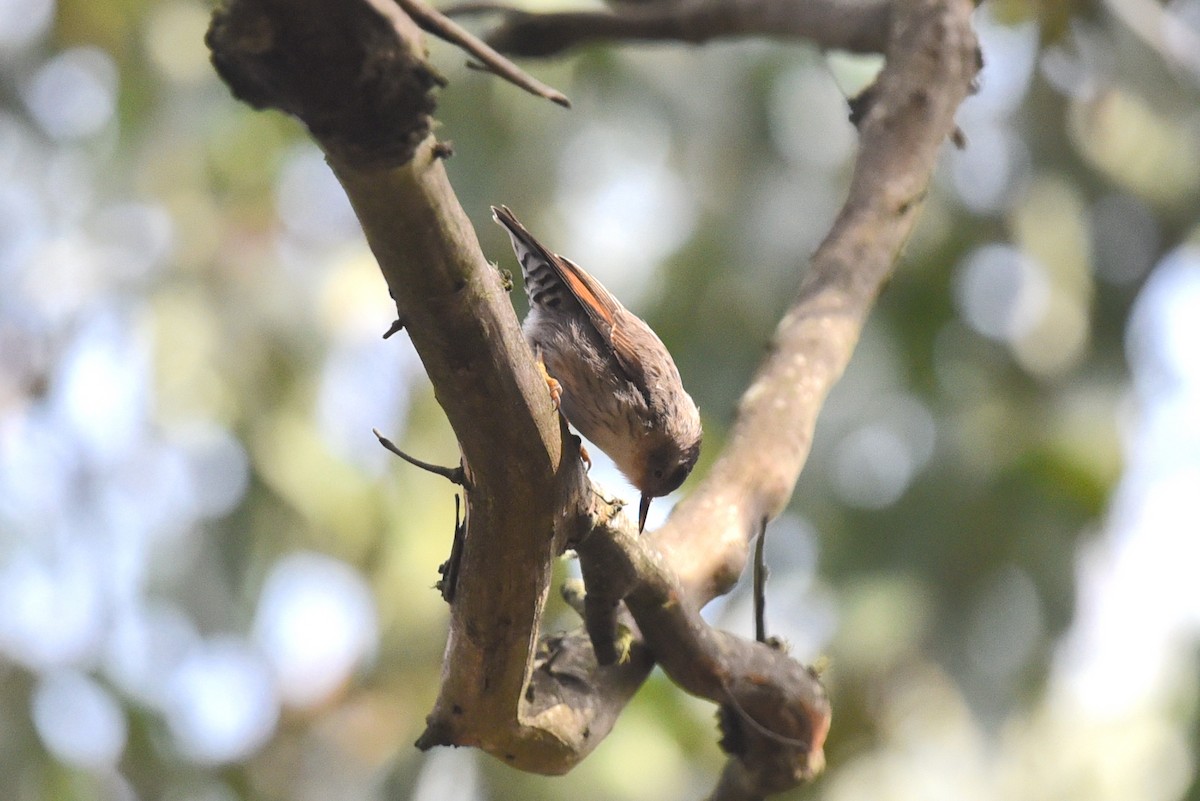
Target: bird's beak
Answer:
pixel 643 509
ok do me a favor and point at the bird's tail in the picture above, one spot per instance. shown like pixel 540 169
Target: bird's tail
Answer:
pixel 544 285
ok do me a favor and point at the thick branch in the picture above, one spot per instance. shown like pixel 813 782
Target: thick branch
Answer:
pixel 294 57
pixel 932 59
pixel 526 487
pixel 775 714
pixel 858 27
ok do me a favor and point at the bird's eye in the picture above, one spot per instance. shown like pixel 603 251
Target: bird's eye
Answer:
pixel 658 473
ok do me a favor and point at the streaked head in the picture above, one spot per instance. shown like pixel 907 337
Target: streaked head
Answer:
pixel 668 465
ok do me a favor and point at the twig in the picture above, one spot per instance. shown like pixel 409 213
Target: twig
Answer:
pixel 760 584
pixel 857 27
pixel 455 475
pixel 449 569
pixel 760 729
pixel 396 327
pixel 437 23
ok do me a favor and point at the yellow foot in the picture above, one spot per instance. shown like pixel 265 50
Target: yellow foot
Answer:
pixel 623 644
pixel 586 457
pixel 551 383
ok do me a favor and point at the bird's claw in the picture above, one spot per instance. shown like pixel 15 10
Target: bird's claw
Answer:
pixel 552 384
pixel 586 457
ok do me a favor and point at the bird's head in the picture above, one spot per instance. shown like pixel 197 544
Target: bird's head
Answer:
pixel 668 463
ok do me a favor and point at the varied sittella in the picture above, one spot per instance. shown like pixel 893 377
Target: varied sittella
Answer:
pixel 619 386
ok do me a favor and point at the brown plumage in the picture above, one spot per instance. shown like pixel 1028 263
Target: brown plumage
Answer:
pixel 620 386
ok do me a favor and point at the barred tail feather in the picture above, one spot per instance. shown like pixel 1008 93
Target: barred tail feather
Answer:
pixel 543 285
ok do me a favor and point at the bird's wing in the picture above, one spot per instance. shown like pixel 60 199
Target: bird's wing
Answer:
pixel 612 320
pixel 606 314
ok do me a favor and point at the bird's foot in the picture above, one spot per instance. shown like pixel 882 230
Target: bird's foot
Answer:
pixel 586 457
pixel 551 382
pixel 623 644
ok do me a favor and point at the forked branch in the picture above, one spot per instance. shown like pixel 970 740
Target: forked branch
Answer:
pixel 544 706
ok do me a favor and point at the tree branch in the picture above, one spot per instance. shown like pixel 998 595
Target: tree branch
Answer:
pixel 437 23
pixel 355 73
pixel 281 55
pixel 774 711
pixel 932 58
pixel 455 475
pixel 336 65
pixel 859 27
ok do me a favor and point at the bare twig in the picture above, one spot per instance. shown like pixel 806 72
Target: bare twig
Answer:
pixel 760 584
pixel 437 23
pixel 858 27
pixel 448 583
pixel 455 475
pixel 396 327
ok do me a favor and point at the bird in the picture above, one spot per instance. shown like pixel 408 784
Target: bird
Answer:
pixel 610 375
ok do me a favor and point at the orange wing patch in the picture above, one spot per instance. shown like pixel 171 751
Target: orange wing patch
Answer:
pixel 600 306
pixel 612 321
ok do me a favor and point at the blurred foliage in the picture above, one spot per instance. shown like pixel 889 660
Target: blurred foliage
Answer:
pixel 215 585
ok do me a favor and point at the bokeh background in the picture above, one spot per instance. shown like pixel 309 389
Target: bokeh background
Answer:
pixel 215 585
